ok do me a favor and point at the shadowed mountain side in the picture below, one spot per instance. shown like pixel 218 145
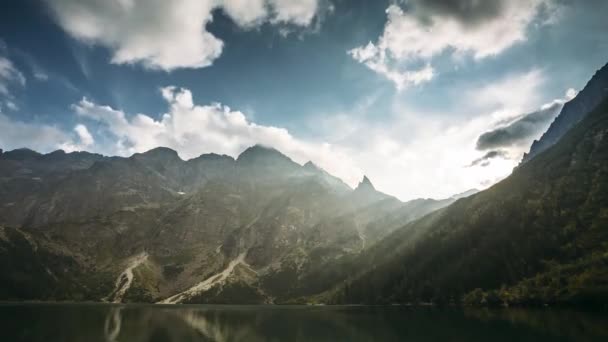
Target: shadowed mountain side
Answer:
pixel 539 236
pixel 212 229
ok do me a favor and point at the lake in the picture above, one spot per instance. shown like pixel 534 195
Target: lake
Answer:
pixel 98 322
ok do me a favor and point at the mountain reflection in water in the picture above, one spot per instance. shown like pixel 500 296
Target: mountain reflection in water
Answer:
pixel 139 323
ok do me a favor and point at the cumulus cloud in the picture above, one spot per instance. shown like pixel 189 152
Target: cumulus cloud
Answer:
pixel 84 140
pixel 371 56
pixel 429 28
pixel 246 12
pixel 169 34
pixel 298 12
pixel 193 129
pixel 83 133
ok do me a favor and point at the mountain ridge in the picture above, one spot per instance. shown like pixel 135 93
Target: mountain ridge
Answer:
pixel 261 223
pixel 572 112
pixel 535 238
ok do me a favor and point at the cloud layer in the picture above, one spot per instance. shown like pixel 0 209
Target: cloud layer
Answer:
pixel 169 34
pixel 429 28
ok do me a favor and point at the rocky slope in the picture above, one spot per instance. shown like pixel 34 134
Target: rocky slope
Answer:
pixel 155 228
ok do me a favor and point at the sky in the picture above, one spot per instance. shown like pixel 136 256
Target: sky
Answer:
pixel 428 98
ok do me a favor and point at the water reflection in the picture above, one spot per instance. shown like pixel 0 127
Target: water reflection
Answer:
pixel 112 324
pixel 573 325
pixel 267 323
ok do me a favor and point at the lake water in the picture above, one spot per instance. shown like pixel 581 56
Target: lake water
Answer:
pixel 96 322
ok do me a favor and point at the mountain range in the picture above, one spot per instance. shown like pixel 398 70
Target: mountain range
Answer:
pixel 262 228
pixel 153 227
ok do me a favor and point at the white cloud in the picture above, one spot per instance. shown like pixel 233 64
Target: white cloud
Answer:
pixel 160 34
pixel 168 34
pixel 41 75
pixel 83 134
pixel 9 75
pixel 378 62
pixel 11 105
pixel 299 12
pixel 40 137
pixel 412 154
pixel 517 92
pixel 84 142
pixel 570 94
pixel 424 32
pixel 193 129
pixel 246 12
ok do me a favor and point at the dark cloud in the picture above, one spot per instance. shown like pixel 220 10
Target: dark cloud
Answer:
pixel 468 12
pixel 485 160
pixel 520 131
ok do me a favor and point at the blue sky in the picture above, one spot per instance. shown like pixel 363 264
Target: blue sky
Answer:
pixel 398 90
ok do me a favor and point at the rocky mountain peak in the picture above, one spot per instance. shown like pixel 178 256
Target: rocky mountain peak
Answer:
pixel 259 154
pixel 21 154
pixel 365 184
pixel 311 166
pixel 159 152
pixel 213 156
pixel 258 150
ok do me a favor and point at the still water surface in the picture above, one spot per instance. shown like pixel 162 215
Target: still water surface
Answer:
pixel 92 322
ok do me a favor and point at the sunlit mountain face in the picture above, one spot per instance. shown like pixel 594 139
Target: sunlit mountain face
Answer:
pixel 427 98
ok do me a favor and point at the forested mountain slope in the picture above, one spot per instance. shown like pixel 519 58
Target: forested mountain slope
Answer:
pixel 539 236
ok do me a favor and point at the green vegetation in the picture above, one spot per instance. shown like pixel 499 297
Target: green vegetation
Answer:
pixel 538 237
